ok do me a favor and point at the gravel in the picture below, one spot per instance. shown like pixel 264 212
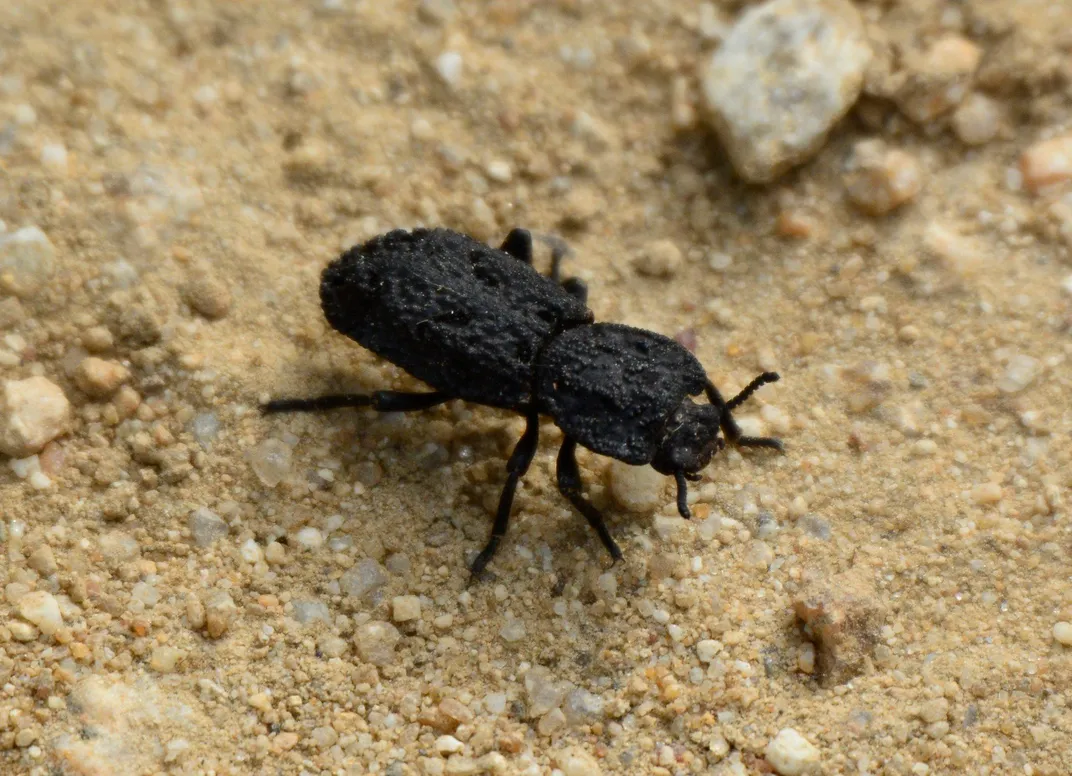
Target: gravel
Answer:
pixel 787 72
pixel 881 179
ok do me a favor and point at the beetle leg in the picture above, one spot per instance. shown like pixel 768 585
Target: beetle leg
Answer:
pixel 382 401
pixel 569 483
pixel 682 495
pixel 752 387
pixel 729 425
pixel 518 244
pixel 516 468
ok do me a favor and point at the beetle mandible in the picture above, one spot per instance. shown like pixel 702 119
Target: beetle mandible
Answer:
pixel 482 325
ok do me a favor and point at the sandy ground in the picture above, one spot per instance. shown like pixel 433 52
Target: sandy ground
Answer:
pixel 192 588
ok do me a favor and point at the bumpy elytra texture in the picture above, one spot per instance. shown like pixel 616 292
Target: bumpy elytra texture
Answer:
pixel 465 318
pixel 613 388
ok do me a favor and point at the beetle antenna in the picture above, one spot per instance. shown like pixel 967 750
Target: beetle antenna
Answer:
pixel 752 387
pixel 682 495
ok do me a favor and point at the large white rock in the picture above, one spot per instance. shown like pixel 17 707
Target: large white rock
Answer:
pixel 788 71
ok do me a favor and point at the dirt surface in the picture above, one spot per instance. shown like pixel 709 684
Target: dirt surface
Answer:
pixel 193 588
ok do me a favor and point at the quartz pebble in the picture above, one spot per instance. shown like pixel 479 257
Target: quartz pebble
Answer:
pixel 881 179
pixel 271 461
pixel 27 261
pixel 364 579
pixel 33 412
pixel 1047 162
pixel 1020 372
pixel 513 630
pixel 42 609
pixel 375 642
pixel 790 754
pixel 787 72
pixel 99 378
pixel 638 489
pixel 206 526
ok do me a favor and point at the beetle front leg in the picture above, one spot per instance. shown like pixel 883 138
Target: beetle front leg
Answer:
pixel 516 468
pixel 569 483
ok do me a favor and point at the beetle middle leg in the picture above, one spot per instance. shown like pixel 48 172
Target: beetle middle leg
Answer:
pixel 382 401
pixel 515 468
pixel 569 483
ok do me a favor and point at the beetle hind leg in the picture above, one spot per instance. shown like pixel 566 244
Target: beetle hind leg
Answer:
pixel 569 483
pixel 382 401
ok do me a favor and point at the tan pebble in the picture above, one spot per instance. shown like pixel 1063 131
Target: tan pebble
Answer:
pixel 938 78
pixel 456 710
pixel 934 710
pixel 33 412
pixel 208 295
pixel 99 378
pixel 986 493
pixel 42 609
pixel 638 489
pixel 658 259
pixel 98 339
pixel 43 561
pixel 284 742
pixel 1047 162
pixel 882 179
pixel 405 608
pixel 795 224
pixel 166 659
pixel 461 766
pixel 25 737
pixel 220 613
pixel 261 701
pixel 511 743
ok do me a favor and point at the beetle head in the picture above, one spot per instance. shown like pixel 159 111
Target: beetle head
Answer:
pixel 691 439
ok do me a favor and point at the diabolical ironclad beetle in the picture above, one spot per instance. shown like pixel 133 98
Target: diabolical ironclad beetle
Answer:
pixel 482 325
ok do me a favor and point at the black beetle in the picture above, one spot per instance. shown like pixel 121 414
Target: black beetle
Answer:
pixel 482 325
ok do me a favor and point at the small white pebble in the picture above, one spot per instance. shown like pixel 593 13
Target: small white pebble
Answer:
pixel 310 538
pixel 449 66
pixel 448 745
pixel 1062 633
pixel 707 650
pixel 791 754
pixel 499 170
pixel 54 158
